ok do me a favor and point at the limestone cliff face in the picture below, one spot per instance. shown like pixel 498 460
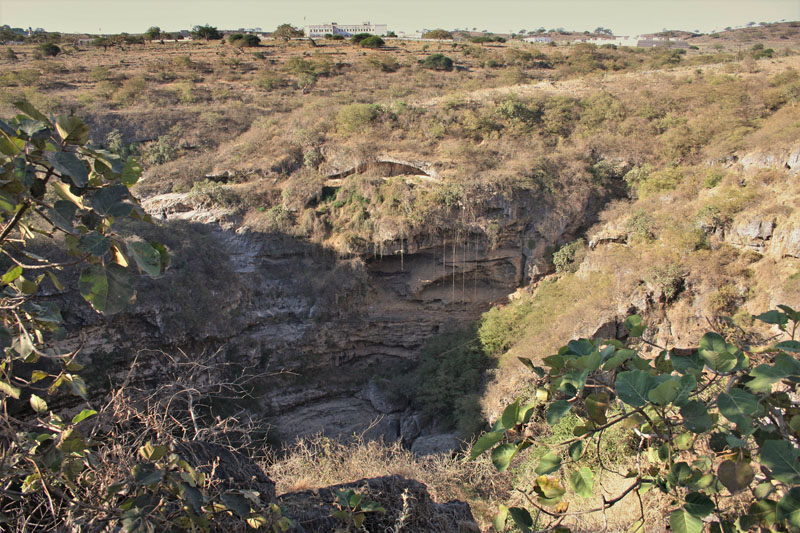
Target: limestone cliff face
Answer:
pixel 321 326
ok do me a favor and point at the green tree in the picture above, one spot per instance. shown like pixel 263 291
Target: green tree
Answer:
pixel 438 34
pixel 153 33
pixel 373 41
pixel 438 62
pixel 209 33
pixel 716 429
pixel 49 49
pixel 286 32
pixel 358 37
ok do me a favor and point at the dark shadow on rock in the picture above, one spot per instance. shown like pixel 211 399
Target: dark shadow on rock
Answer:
pixel 233 469
pixel 408 505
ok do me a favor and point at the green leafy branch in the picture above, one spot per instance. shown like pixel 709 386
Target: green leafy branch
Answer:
pixel 706 421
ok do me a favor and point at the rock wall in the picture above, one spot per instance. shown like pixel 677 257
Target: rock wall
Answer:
pixel 319 327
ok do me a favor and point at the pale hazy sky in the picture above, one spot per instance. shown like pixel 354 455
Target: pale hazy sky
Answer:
pixel 622 16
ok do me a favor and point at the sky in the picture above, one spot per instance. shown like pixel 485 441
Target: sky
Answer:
pixel 623 17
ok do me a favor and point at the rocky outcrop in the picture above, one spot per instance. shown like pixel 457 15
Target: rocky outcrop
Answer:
pixel 443 443
pixel 316 327
pixel 408 507
pixel 754 233
pixel 789 159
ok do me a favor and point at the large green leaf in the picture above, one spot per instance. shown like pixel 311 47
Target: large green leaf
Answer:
pixel 774 317
pixel 619 357
pixel 109 289
pixel 72 130
pixel 680 521
pixel 486 442
pixel 764 376
pixel 522 518
pixel 28 109
pixel 111 201
pixel 596 407
pixel 789 507
pixel 549 490
pixel 633 387
pixel 94 243
pixel 688 384
pixel 789 346
pixel 716 353
pixel 68 164
pixel 695 417
pixel 557 410
pixel 131 172
pixel 510 415
pixel 582 482
pixel 666 392
pixel 739 406
pixel 698 504
pixel 781 458
pixel 580 347
pixel 147 258
pixel 502 455
pixel 550 463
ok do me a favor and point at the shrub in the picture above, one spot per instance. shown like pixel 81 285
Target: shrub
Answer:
pixel 358 37
pixel 373 41
pixel 354 117
pixel 641 224
pixel 131 90
pixel 9 55
pixel 99 73
pixel 334 37
pixel 49 49
pixel 569 257
pixel 438 62
pixel 243 41
pixel 383 63
pixel 209 33
pixel 446 384
pixel 268 80
pixel 437 34
pixel 286 32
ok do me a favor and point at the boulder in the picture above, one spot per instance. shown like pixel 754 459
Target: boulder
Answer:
pixel 753 233
pixel 410 428
pixel 445 443
pixel 233 469
pixel 786 241
pixel 382 398
pixel 408 506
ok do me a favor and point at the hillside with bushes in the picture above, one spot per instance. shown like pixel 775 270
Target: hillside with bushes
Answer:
pixel 360 256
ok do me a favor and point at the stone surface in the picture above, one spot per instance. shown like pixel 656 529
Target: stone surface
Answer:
pixel 406 501
pixel 786 241
pixel 410 428
pixel 752 233
pixel 445 443
pixel 233 469
pixel 382 398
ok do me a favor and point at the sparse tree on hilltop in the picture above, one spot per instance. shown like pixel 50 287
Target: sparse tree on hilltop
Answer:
pixel 286 32
pixel 153 33
pixel 209 33
pixel 438 34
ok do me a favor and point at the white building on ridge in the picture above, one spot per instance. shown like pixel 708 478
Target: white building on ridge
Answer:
pixel 345 30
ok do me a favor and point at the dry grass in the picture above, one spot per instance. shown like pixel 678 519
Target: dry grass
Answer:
pixel 319 462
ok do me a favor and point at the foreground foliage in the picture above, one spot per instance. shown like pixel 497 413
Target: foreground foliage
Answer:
pixel 74 471
pixel 717 429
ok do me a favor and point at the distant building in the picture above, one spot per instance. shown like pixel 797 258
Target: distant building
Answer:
pixel 411 35
pixel 345 30
pixel 538 39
